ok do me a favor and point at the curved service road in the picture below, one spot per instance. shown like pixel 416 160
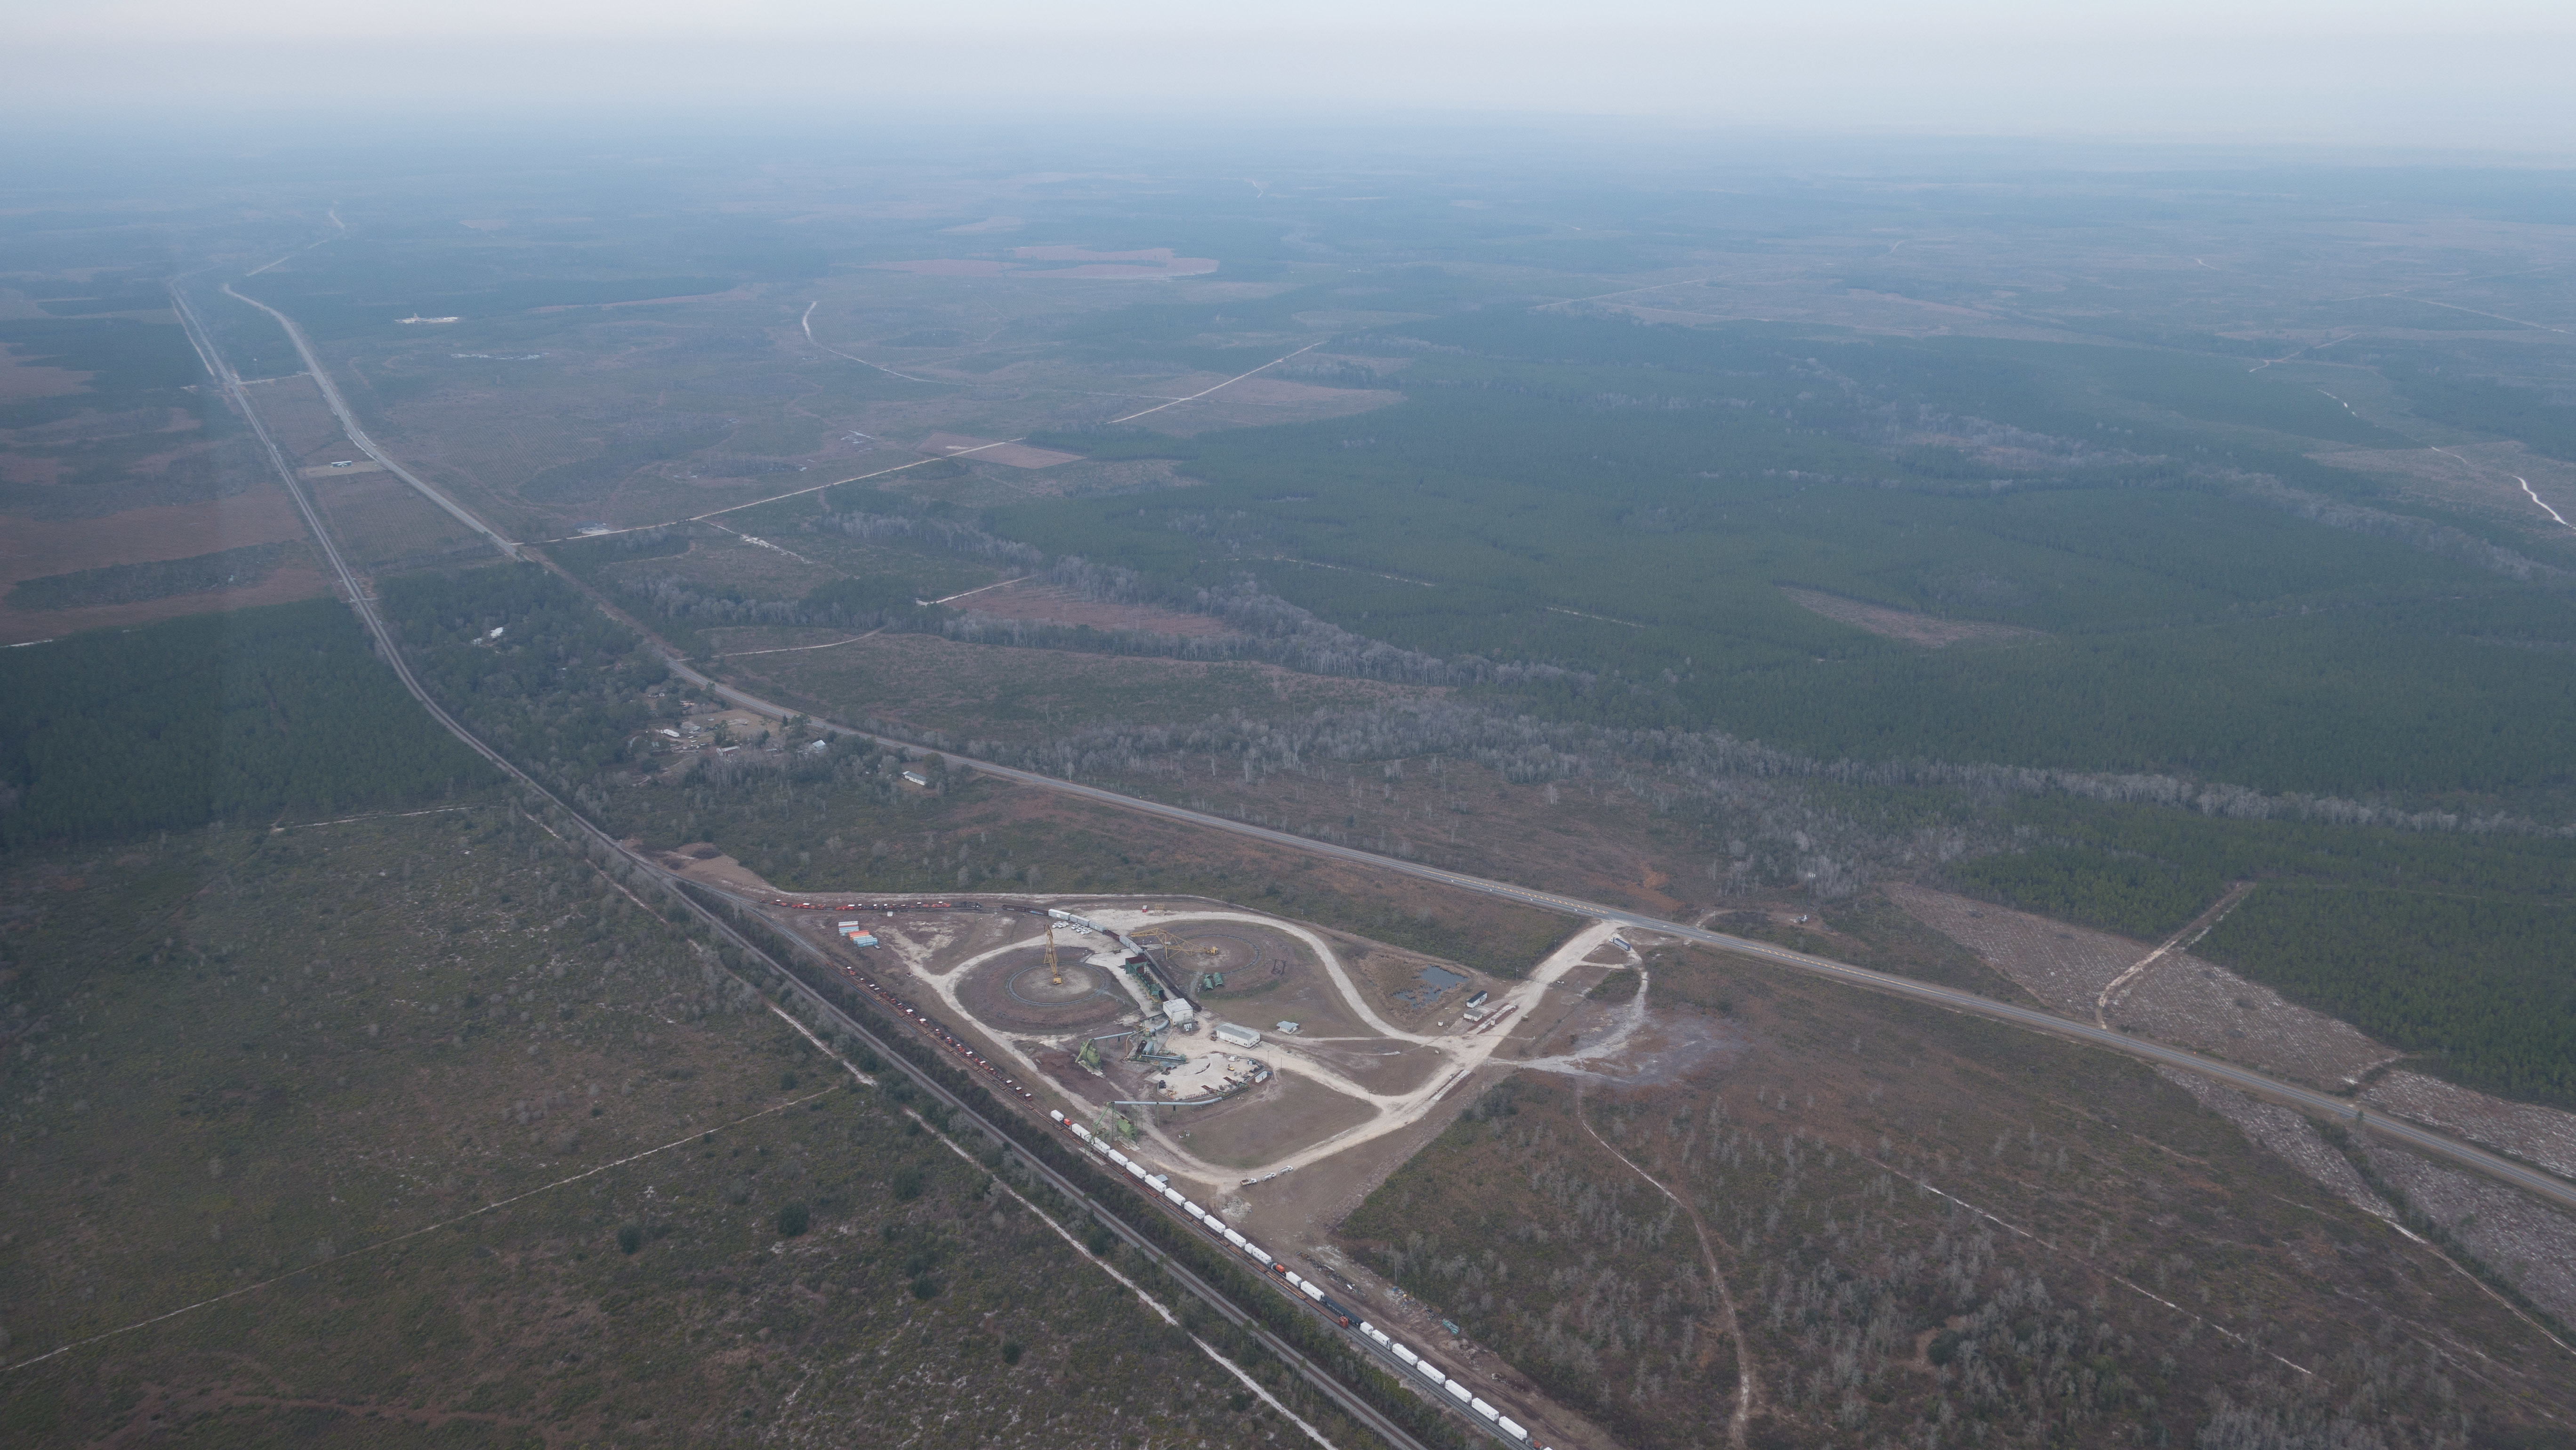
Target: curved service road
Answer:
pixel 1348 1400
pixel 349 423
pixel 2556 1190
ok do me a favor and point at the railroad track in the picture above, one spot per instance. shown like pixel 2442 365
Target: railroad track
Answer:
pixel 363 604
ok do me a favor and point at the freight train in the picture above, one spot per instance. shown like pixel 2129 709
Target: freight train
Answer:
pixel 935 1029
pixel 1160 1186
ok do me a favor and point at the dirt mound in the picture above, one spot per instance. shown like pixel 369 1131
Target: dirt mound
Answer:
pixel 1016 993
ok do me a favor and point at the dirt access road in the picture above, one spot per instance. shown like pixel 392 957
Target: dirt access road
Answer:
pixel 2556 1190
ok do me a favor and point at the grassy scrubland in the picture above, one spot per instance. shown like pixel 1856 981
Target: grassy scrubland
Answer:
pixel 1873 1310
pixel 2492 1017
pixel 563 689
pixel 258 1066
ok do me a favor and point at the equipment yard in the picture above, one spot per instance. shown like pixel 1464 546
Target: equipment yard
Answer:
pixel 1271 1071
pixel 1169 1014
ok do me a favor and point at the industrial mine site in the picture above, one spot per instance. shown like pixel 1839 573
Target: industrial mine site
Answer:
pixel 1261 1076
pixel 1229 1048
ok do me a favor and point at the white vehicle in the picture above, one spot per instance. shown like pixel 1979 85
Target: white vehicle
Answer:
pixel 1235 1238
pixel 1481 1408
pixel 1307 1288
pixel 1407 1355
pixel 1458 1392
pixel 1508 1428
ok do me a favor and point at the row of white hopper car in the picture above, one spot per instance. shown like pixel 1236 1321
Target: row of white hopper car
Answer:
pixel 1161 1184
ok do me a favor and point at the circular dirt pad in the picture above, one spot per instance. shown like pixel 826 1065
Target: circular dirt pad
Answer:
pixel 1016 992
pixel 1217 950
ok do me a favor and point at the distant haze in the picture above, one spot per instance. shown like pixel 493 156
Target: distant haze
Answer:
pixel 2481 76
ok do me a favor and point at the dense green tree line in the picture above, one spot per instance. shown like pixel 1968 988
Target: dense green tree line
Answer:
pixel 248 714
pixel 559 686
pixel 157 579
pixel 2192 631
pixel 2136 896
pixel 2455 944
pixel 2487 405
pixel 2486 986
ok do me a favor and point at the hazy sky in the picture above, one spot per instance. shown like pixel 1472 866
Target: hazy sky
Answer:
pixel 2485 74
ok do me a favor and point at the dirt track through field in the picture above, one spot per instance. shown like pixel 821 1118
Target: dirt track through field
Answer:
pixel 1744 1384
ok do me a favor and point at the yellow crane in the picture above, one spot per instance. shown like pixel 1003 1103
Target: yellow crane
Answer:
pixel 1164 941
pixel 1055 974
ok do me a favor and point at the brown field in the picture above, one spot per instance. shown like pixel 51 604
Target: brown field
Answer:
pixel 1113 271
pixel 281 587
pixel 33 548
pixel 726 558
pixel 1258 402
pixel 1049 604
pixel 1871 1174
pixel 1101 266
pixel 986 450
pixel 20 381
pixel 997 693
pixel 1282 1115
pixel 2532 1133
pixel 1901 624
pixel 1156 256
pixel 946 267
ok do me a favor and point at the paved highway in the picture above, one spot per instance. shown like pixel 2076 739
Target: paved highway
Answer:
pixel 1349 1400
pixel 349 421
pixel 2547 1186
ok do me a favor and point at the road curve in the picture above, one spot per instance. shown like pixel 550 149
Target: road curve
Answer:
pixel 2555 1190
pixel 349 422
pixel 1348 1400
pixel 2424 1140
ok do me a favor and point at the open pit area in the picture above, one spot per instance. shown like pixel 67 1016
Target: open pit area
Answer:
pixel 1297 1050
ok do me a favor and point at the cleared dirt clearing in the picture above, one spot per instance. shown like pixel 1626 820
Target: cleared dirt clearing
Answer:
pixel 1902 624
pixel 2185 1001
